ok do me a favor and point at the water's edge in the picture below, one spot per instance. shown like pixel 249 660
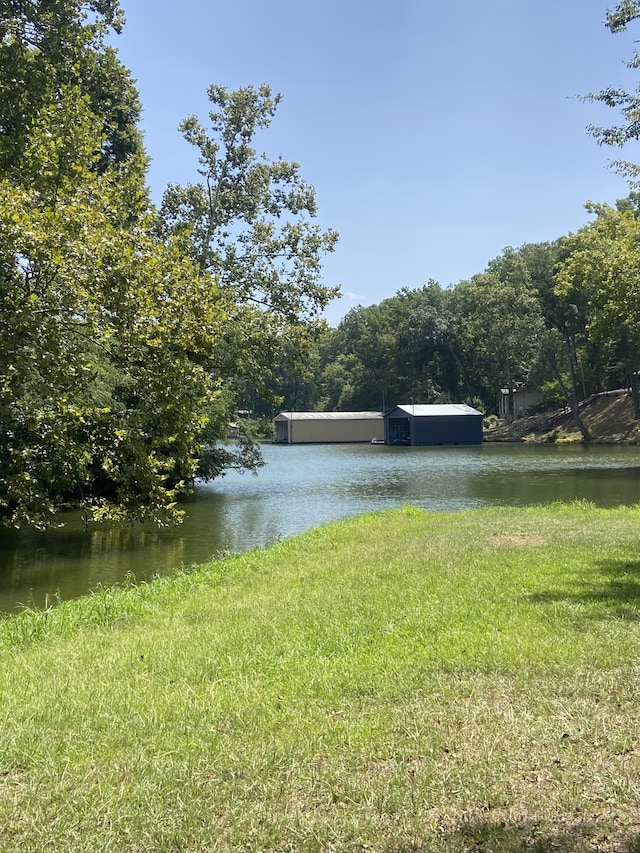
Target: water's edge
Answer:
pixel 301 487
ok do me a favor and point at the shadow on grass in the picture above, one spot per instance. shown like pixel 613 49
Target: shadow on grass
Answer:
pixel 531 836
pixel 615 588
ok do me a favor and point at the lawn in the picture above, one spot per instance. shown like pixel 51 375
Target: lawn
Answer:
pixel 402 681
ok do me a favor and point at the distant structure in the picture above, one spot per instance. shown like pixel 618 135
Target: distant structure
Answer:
pixel 520 399
pixel 328 427
pixel 451 423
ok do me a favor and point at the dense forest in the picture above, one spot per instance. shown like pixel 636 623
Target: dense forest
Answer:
pixel 559 317
pixel 132 334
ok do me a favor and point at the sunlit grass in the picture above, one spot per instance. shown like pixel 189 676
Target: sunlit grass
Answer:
pixel 402 681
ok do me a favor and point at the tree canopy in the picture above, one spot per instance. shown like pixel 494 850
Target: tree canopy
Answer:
pixel 248 222
pixel 628 103
pixel 127 333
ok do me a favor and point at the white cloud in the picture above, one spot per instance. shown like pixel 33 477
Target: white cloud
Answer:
pixel 355 297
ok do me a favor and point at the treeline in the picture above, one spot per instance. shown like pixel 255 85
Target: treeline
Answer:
pixel 561 317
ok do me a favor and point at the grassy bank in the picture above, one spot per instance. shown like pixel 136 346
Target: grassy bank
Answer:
pixel 398 682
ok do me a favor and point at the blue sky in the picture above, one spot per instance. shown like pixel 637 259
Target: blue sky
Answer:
pixel 435 133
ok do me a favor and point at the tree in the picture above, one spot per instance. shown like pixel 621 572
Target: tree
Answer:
pixel 101 394
pixel 601 268
pixel 248 223
pixel 46 48
pixel 499 325
pixel 561 326
pixel 356 373
pixel 628 103
pixel 125 336
pixel 426 348
pixel 404 348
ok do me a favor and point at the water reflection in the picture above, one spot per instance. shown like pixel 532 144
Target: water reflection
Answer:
pixel 304 486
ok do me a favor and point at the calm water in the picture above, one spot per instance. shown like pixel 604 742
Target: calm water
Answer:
pixel 303 486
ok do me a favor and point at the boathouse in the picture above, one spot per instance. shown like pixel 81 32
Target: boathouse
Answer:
pixel 451 423
pixel 328 427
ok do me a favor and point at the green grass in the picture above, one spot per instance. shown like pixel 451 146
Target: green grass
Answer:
pixel 397 682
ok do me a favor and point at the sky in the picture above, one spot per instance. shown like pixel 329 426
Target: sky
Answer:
pixel 436 132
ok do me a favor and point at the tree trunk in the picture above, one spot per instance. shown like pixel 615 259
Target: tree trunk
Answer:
pixel 511 412
pixel 633 384
pixel 575 405
pixel 570 397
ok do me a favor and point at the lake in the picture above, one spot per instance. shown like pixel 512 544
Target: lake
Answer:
pixel 303 486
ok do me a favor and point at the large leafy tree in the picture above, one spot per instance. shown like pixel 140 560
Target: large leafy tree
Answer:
pixel 249 222
pixel 558 337
pixel 600 269
pixel 121 345
pixel 427 351
pixel 47 47
pixel 355 361
pixel 499 325
pixel 100 394
pixel 626 102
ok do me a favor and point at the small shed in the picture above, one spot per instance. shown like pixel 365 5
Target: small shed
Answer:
pixel 328 427
pixel 451 423
pixel 516 401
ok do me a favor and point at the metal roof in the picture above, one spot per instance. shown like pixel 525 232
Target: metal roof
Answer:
pixel 328 416
pixel 438 410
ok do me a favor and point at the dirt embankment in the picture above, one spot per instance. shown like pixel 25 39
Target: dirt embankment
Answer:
pixel 611 418
pixel 608 417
